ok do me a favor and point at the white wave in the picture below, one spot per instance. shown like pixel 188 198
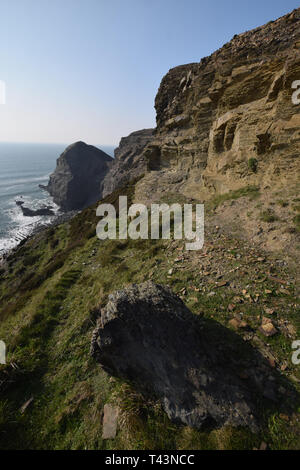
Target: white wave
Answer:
pixel 20 227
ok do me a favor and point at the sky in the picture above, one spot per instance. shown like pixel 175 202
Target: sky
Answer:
pixel 90 69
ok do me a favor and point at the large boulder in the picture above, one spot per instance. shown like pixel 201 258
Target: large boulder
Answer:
pixel 75 183
pixel 130 161
pixel 146 335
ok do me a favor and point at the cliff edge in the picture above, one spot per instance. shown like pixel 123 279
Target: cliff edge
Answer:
pixel 75 183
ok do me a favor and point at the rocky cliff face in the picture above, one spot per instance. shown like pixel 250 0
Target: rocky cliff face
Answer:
pixel 130 161
pixel 80 169
pixel 229 121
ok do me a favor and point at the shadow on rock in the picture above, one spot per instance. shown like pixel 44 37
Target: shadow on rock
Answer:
pixel 204 374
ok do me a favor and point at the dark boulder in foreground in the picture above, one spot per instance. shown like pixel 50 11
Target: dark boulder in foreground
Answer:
pixel 146 335
pixel 75 183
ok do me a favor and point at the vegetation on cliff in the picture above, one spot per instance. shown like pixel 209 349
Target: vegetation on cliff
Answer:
pixel 53 393
pixel 227 134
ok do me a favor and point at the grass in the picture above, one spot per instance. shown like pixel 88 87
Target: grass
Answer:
pixel 253 164
pixel 252 192
pixel 68 274
pixel 283 203
pixel 296 221
pixel 268 216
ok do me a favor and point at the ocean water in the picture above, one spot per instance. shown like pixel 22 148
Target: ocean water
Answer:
pixel 22 168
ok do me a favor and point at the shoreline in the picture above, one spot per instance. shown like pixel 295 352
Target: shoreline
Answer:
pixel 57 220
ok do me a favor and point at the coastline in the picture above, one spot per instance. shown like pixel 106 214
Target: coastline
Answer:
pixel 57 220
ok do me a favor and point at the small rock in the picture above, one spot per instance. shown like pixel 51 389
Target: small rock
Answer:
pixel 291 330
pixel 237 300
pixel 110 422
pixel 269 311
pixel 236 323
pixel 284 417
pixel 267 328
pixel 272 361
pixel 284 291
pixel 221 284
pixel 263 446
pixel 26 404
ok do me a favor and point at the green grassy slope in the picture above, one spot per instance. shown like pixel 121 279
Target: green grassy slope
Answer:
pixel 49 292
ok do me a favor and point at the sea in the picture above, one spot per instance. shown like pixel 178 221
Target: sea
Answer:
pixel 23 166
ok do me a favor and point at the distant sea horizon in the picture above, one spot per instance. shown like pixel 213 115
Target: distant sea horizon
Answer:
pixel 23 166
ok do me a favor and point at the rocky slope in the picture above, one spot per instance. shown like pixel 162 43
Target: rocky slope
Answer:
pixel 80 169
pixel 52 289
pixel 208 145
pixel 130 161
pixel 213 117
pixel 228 123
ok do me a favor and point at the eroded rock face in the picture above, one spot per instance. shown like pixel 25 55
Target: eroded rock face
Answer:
pixel 146 335
pixel 130 161
pixel 236 105
pixel 75 183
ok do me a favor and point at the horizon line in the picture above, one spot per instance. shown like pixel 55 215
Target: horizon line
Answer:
pixel 54 143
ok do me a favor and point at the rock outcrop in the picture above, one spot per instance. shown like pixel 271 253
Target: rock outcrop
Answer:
pixel 229 121
pixel 146 335
pixel 75 183
pixel 130 161
pixel 42 211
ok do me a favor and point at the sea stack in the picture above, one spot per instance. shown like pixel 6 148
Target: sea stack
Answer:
pixel 75 183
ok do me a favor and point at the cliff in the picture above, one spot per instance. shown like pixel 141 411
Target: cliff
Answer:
pixel 233 107
pixel 55 286
pixel 130 161
pixel 227 128
pixel 80 169
pixel 227 133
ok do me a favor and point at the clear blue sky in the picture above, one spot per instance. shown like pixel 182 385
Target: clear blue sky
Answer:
pixel 89 69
